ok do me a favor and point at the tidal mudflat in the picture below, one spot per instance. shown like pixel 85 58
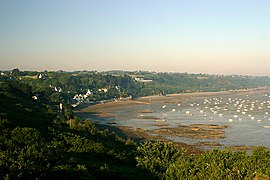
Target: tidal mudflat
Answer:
pixel 204 119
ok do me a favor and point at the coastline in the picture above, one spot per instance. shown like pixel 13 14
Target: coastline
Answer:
pixel 105 110
pixel 197 94
pixel 175 97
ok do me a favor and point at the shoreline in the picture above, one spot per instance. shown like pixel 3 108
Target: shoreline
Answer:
pixel 152 98
pixel 90 107
pixel 139 135
pixel 202 94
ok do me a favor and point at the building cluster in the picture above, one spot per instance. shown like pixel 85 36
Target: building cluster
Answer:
pixel 140 79
pixel 82 97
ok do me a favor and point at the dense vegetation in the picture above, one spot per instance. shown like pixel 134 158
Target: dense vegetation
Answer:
pixel 182 82
pixel 125 84
pixel 164 161
pixel 37 140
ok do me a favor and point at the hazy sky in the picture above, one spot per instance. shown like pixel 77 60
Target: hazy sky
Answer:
pixel 196 36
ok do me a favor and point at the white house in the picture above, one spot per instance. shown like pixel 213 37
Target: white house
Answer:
pixel 103 89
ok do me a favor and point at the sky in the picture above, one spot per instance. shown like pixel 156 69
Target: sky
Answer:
pixel 193 36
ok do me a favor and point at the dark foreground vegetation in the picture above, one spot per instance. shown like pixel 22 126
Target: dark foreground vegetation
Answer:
pixel 39 140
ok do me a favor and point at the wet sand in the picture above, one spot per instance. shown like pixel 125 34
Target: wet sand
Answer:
pixel 105 109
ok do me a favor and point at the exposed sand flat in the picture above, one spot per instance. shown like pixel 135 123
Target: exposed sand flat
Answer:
pixel 143 135
pixel 177 97
pixel 105 107
pixel 208 126
pixel 104 110
pixel 146 111
pixel 150 117
pixel 196 131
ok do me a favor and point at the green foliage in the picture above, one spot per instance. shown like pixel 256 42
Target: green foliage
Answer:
pixel 37 141
pixel 164 161
pixel 25 154
pixel 19 108
pixel 156 157
pixel 222 164
pixel 62 148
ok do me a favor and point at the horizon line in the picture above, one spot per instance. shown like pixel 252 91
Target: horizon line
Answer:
pixel 150 71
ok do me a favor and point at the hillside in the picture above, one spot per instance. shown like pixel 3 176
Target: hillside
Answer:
pixel 97 86
pixel 40 142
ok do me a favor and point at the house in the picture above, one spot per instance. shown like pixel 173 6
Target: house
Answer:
pixel 105 90
pixel 140 79
pixel 78 97
pixel 88 93
pixel 42 76
pixel 57 89
pixel 34 97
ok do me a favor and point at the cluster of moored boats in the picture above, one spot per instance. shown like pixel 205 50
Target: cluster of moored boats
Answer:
pixel 231 108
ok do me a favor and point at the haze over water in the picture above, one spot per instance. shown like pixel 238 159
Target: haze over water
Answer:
pixel 219 37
